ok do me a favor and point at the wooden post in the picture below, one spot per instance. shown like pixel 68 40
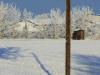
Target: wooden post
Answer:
pixel 68 37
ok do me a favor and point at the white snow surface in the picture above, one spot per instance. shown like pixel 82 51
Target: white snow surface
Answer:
pixel 85 57
pixel 50 52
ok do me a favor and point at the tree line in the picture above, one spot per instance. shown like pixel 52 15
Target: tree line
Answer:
pixel 51 24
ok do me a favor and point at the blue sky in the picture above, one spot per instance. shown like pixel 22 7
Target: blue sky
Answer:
pixel 94 4
pixel 38 6
pixel 41 6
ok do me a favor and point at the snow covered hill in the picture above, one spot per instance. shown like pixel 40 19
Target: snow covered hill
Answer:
pixel 20 26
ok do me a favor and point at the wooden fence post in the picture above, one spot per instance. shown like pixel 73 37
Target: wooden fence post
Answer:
pixel 68 37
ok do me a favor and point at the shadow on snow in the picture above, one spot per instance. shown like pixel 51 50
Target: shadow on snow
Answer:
pixel 12 53
pixel 9 53
pixel 90 65
pixel 41 64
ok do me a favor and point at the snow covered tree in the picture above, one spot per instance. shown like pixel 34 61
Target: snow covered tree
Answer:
pixel 63 26
pixel 80 20
pixel 56 21
pixel 47 25
pixel 51 25
pixel 43 20
pixel 3 10
pixel 26 15
pixel 12 16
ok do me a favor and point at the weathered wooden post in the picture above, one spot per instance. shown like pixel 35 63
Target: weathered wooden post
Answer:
pixel 68 37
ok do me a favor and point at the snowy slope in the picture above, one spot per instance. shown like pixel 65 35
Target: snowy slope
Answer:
pixel 20 26
pixel 36 57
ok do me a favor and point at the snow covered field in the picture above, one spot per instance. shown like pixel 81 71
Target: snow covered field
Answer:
pixel 85 57
pixel 47 57
pixel 32 57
